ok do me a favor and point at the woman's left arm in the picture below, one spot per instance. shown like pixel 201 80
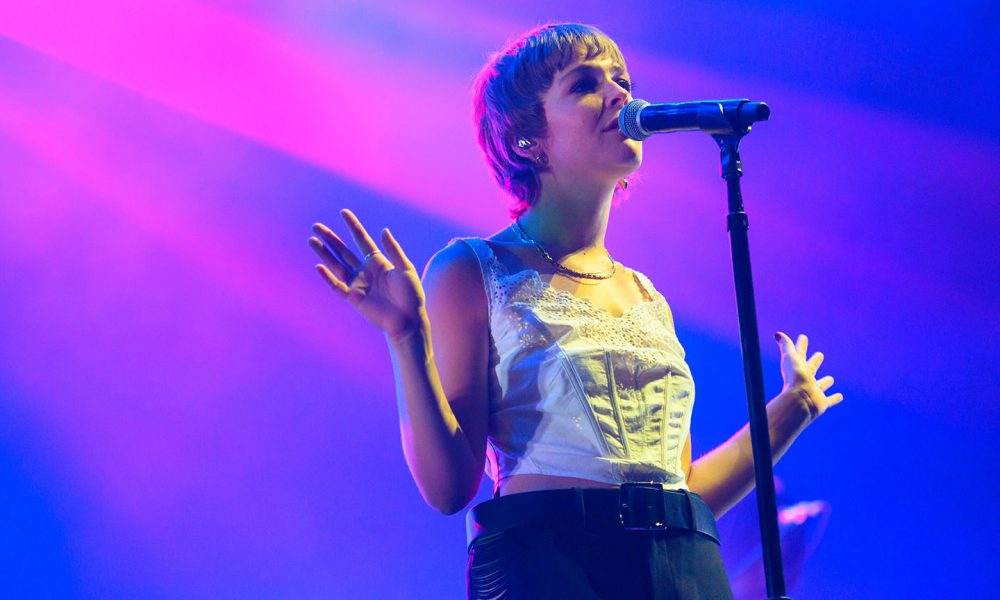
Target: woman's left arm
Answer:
pixel 725 475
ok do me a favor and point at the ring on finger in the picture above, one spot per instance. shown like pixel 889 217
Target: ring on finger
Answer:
pixel 372 253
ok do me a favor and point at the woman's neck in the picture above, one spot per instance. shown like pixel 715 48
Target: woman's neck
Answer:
pixel 572 221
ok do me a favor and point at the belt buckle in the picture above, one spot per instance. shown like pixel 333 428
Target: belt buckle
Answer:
pixel 640 507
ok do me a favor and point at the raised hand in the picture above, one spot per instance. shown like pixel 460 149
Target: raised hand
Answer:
pixel 384 288
pixel 799 375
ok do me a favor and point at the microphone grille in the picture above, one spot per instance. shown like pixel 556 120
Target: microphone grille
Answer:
pixel 628 120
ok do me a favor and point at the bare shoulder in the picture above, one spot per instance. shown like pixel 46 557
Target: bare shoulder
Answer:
pixel 455 258
pixel 456 263
pixel 453 282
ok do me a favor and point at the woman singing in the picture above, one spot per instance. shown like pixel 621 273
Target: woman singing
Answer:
pixel 554 365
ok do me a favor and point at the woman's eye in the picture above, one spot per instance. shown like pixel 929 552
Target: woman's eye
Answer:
pixel 589 84
pixel 586 84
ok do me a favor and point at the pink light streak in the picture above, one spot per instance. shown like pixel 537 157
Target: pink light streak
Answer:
pixel 382 123
pixel 211 64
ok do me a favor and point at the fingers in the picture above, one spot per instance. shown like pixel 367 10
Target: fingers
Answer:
pixel 361 237
pixel 802 344
pixel 337 246
pixel 800 347
pixel 338 286
pixel 395 252
pixel 341 268
pixel 784 342
pixel 330 261
pixel 825 383
pixel 815 361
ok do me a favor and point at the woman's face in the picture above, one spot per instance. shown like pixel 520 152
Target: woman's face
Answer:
pixel 581 111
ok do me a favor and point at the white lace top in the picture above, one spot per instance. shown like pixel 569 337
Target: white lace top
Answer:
pixel 582 393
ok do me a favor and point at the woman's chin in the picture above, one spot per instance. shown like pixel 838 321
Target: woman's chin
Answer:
pixel 632 162
pixel 632 154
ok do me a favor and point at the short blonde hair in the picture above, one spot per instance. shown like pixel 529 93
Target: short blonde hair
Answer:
pixel 507 103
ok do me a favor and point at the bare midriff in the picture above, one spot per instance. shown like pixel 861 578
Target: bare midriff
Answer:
pixel 515 484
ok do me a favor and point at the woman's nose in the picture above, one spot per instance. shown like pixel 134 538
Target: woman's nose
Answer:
pixel 618 94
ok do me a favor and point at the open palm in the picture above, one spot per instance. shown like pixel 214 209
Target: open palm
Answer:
pixel 384 288
pixel 799 375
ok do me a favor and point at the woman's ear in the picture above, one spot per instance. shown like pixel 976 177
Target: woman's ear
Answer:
pixel 526 147
pixel 531 150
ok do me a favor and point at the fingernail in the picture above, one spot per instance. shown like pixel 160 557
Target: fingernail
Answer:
pixel 777 337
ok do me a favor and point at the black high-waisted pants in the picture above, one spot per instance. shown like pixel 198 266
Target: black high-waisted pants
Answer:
pixel 525 563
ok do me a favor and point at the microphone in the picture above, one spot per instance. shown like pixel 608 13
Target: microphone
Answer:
pixel 639 119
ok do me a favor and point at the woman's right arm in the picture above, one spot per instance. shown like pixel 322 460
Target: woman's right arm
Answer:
pixel 441 385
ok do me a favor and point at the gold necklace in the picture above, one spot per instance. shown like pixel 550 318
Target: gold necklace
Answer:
pixel 600 275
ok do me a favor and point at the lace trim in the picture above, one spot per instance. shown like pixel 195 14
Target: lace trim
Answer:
pixel 641 328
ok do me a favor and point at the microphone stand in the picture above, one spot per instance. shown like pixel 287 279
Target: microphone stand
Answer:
pixel 737 224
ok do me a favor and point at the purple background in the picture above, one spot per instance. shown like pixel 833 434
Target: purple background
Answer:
pixel 186 411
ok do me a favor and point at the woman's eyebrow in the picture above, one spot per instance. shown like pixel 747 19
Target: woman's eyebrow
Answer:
pixel 616 70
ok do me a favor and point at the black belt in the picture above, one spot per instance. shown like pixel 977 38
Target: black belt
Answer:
pixel 633 506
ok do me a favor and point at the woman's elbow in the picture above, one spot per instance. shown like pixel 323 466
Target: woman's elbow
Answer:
pixel 451 501
pixel 448 505
pixel 448 510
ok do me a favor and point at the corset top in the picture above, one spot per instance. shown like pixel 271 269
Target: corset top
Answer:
pixel 582 393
